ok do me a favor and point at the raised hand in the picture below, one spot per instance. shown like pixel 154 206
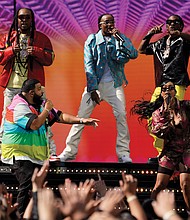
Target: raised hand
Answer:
pixel 46 204
pixel 39 176
pixel 3 189
pixel 164 203
pixel 156 29
pixel 77 201
pixel 110 200
pixel 48 104
pixel 128 185
pixel 10 207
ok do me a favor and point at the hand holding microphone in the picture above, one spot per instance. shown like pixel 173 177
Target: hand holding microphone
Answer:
pixel 49 106
pixel 168 99
pixel 117 35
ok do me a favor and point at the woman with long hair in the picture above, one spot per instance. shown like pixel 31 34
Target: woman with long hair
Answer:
pixel 171 122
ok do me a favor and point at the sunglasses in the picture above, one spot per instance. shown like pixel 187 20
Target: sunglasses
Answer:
pixel 169 22
pixel 27 17
pixel 107 22
pixel 170 88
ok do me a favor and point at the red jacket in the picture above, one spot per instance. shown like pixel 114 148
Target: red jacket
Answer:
pixel 43 55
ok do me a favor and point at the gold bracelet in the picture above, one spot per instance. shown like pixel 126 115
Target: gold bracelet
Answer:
pixel 131 198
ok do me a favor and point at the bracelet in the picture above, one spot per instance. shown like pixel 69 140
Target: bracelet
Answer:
pixel 47 110
pixel 131 198
pixel 81 120
pixel 168 214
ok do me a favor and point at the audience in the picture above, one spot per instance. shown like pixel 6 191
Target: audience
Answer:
pixel 164 206
pixel 79 202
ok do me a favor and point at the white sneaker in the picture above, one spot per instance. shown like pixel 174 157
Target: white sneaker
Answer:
pixel 125 159
pixel 54 158
pixel 63 157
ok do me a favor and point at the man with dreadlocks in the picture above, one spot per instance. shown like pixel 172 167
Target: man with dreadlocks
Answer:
pixel 23 53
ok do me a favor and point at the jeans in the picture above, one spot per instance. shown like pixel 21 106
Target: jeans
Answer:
pixel 114 97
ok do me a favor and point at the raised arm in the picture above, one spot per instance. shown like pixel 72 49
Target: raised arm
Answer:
pixel 146 40
pixel 128 185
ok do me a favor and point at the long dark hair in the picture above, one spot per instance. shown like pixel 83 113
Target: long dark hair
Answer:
pixel 14 27
pixel 145 108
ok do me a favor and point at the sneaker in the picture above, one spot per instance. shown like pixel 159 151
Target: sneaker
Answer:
pixel 54 158
pixel 63 157
pixel 125 159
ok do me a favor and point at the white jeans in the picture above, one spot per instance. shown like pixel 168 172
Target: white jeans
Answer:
pixel 9 93
pixel 116 98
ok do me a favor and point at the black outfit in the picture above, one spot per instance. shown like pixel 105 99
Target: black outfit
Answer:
pixel 23 170
pixel 174 67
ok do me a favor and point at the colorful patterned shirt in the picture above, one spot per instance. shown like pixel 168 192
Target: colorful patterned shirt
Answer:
pixel 19 141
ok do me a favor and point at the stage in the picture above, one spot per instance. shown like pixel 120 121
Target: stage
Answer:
pixel 109 172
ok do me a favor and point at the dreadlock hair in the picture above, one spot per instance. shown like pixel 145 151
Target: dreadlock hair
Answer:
pixel 14 27
pixel 100 18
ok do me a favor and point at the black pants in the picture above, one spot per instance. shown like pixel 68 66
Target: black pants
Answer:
pixel 23 170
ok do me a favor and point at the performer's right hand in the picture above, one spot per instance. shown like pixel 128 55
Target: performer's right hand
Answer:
pixel 95 97
pixel 48 105
pixel 167 99
pixel 156 29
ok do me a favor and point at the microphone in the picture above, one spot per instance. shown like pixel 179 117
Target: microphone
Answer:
pixel 168 99
pixel 119 37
